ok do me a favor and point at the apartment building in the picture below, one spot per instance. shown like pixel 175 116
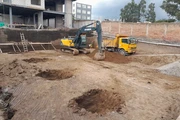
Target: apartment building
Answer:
pixel 81 11
pixel 36 12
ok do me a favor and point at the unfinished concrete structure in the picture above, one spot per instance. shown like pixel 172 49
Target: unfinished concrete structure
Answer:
pixel 36 12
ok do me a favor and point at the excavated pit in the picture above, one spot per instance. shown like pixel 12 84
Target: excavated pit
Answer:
pixel 36 60
pixel 97 101
pixel 56 74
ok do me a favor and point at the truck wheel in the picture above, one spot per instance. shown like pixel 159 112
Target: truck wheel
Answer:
pixel 123 52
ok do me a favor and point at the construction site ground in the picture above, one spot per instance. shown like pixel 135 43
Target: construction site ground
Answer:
pixel 51 85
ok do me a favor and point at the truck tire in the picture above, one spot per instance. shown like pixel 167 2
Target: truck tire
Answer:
pixel 123 52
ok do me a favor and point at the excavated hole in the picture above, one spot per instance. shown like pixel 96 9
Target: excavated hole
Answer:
pixel 56 74
pixel 36 60
pixel 97 101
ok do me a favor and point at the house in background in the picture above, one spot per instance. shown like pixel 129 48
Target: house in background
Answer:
pixel 36 12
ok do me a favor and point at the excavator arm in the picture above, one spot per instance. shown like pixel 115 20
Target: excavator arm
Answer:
pixel 77 40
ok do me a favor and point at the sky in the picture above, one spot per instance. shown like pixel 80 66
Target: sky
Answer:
pixel 110 9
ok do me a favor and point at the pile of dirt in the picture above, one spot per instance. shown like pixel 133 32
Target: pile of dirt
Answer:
pixel 171 69
pixel 112 57
pixel 5 106
pixel 36 60
pixel 56 74
pixel 17 68
pixel 97 101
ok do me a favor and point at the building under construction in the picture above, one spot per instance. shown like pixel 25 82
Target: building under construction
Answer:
pixel 36 13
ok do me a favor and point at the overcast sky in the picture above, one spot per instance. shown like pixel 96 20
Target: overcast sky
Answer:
pixel 110 9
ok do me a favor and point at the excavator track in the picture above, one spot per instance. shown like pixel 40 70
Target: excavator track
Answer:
pixel 75 51
pixel 70 50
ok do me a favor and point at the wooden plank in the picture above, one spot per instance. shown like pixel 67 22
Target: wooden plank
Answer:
pixel 14 48
pixel 53 46
pixel 38 43
pixel 32 47
pixel 43 47
pixel 18 48
pixel 1 51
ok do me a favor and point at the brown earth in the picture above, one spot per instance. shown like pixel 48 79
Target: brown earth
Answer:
pixel 112 57
pixel 36 60
pixel 56 74
pixel 97 101
pixel 144 92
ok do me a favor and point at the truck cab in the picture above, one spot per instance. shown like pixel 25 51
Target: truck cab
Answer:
pixel 127 45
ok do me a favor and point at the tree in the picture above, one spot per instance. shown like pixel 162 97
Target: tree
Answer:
pixel 130 13
pixel 142 10
pixel 172 8
pixel 151 15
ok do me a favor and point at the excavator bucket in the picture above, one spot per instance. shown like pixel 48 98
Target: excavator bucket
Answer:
pixel 99 56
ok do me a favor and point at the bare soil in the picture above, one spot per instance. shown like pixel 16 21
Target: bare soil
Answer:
pixel 36 60
pixel 112 57
pixel 141 91
pixel 97 101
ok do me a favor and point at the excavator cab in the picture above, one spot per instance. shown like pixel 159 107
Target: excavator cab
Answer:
pixel 79 43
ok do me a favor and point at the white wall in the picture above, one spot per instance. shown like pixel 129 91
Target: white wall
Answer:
pixel 19 2
pixel 27 3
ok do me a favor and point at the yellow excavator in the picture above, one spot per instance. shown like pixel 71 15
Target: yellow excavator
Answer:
pixel 78 44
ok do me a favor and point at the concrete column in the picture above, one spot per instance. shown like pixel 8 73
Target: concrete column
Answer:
pixel 34 19
pixel 59 22
pixel 68 13
pixel 10 16
pixel 147 30
pixel 40 19
pixel 59 6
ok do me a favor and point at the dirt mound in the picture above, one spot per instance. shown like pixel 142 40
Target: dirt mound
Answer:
pixel 17 68
pixel 97 101
pixel 171 69
pixel 5 107
pixel 56 74
pixel 36 60
pixel 112 57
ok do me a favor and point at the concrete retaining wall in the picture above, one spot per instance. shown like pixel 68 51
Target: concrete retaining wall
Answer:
pixel 8 35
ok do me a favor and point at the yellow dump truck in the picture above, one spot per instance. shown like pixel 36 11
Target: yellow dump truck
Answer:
pixel 125 45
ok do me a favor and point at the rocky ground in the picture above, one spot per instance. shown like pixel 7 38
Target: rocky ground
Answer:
pixel 51 85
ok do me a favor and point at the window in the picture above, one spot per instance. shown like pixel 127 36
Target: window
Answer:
pixel 83 11
pixel 73 5
pixel 78 11
pixel 88 18
pixel 125 41
pixel 89 12
pixel 84 17
pixel 36 2
pixel 89 7
pixel 84 6
pixel 79 16
pixel 73 10
pixel 78 5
